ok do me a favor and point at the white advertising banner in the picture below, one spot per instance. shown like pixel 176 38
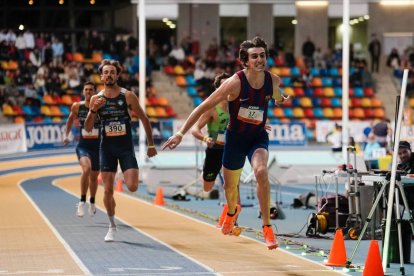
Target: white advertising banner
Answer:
pixel 12 139
pixel 356 129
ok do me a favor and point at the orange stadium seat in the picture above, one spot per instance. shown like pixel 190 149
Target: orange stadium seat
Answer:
pixel 66 99
pixel 410 102
pixel 316 82
pixel 278 112
pixel 48 99
pixel 337 112
pixel 19 120
pixel 379 113
pixel 359 113
pixel 160 111
pixel 78 57
pixel 285 71
pixel 180 81
pixel 163 101
pixel 55 111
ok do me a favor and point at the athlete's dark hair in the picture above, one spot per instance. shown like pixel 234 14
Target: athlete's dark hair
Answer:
pixel 256 42
pixel 219 78
pixel 111 62
pixel 90 83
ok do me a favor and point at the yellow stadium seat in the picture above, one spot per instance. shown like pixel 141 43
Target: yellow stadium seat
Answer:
pixel 45 110
pixel 275 70
pixel 328 112
pixel 179 70
pixel 8 110
pixel 298 112
pixel 366 102
pixel 305 102
pixel 56 119
pixel 328 92
pixel 411 102
pixel 151 111
pixel 288 91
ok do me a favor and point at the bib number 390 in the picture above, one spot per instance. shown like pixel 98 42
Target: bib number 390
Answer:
pixel 115 130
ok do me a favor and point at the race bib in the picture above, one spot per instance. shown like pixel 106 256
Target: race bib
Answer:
pixel 93 134
pixel 251 114
pixel 221 139
pixel 115 129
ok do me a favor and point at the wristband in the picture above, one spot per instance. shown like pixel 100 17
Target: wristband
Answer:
pixel 179 133
pixel 151 147
pixel 92 111
pixel 205 138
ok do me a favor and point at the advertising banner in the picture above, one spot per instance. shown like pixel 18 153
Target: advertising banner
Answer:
pixel 12 139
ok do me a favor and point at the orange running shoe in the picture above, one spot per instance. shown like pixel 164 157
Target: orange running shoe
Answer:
pixel 269 237
pixel 222 216
pixel 229 222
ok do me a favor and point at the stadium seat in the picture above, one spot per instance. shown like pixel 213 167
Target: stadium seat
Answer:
pixel 333 72
pixel 169 70
pixel 288 112
pixel 328 92
pixel 294 72
pixel 326 82
pixel 308 92
pixel 309 113
pixel 323 72
pixel 355 102
pixel 180 81
pixel 197 101
pixel 65 110
pixel 326 102
pixel 275 70
pixel 27 110
pixel 285 72
pixel 278 112
pixel 366 102
pixel 19 120
pixel 170 112
pixel 337 82
pixel 328 113
pixel 47 120
pixel 179 70
pixel 318 92
pixel 47 99
pixel 296 102
pixel 67 100
pixel 151 111
pixel 270 112
pixel 338 91
pixel 287 81
pixel 298 112
pixel 358 92
pixel 316 82
pixel 368 92
pixel 314 72
pixel 336 102
pixel 55 111
pixel 17 110
pixel 299 92
pixel 45 110
pixel 359 113
pixel 191 91
pixel 337 112
pixel 318 112
pixel 56 119
pixel 305 102
pixel 190 80
pixel 8 110
pixel 379 113
pixel 375 102
pixel 369 112
pixel 163 101
pixel 288 91
pixel 160 112
pixel 316 102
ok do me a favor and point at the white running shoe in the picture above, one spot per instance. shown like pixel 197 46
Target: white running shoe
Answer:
pixel 81 209
pixel 92 209
pixel 110 236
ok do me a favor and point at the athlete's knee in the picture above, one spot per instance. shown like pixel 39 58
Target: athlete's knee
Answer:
pixel 261 174
pixel 132 185
pixel 208 185
pixel 109 193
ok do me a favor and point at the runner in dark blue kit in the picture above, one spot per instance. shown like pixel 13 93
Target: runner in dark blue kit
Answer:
pixel 87 149
pixel 113 106
pixel 248 92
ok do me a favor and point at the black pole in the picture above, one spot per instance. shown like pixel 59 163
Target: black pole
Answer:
pixel 397 108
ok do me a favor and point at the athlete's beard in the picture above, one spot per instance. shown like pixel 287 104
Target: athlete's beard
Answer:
pixel 110 83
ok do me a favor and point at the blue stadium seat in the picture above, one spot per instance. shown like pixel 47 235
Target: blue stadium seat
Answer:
pixel 287 81
pixel 166 133
pixel 336 102
pixel 333 72
pixel 294 72
pixel 270 112
pixel 358 92
pixel 327 82
pixel 316 102
pixel 197 101
pixel 338 91
pixel 296 102
pixel 337 82
pixel 288 112
pixel 27 110
pixel 323 72
pixel 314 72
pixel 65 110
pixel 191 91
pixel 190 80
pixel 318 112
pixel 308 92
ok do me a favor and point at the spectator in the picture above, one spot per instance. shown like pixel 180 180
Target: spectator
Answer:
pixel 335 138
pixel 381 131
pixel 308 49
pixel 374 48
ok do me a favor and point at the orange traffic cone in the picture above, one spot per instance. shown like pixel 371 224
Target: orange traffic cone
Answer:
pixel 159 197
pixel 373 264
pixel 118 186
pixel 337 256
pixel 99 179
